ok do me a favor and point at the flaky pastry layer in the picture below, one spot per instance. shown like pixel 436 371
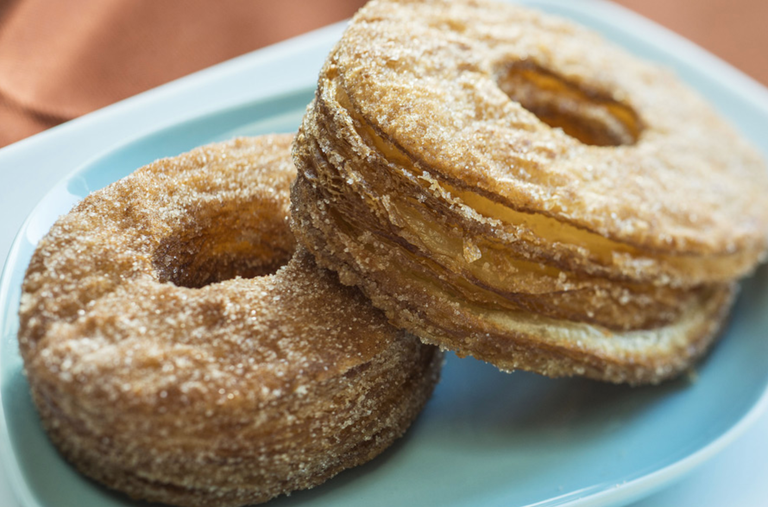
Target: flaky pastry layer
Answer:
pixel 180 349
pixel 453 159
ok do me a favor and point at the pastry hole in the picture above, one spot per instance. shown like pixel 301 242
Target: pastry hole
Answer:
pixel 585 115
pixel 244 243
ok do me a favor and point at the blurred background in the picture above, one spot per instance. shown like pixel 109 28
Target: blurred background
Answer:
pixel 60 60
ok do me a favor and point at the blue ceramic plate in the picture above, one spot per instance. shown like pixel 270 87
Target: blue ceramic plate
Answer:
pixel 486 438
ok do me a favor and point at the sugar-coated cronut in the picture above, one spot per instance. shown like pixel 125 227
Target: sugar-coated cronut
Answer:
pixel 161 371
pixel 508 185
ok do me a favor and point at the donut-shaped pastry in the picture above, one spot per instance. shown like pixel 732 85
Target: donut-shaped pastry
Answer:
pixel 179 350
pixel 509 185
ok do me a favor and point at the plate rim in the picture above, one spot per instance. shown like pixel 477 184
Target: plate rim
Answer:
pixel 602 495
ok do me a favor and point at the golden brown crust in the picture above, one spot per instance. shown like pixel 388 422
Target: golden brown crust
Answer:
pixel 454 165
pixel 403 62
pixel 160 372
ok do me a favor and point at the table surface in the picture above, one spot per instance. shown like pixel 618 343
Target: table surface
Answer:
pixel 733 477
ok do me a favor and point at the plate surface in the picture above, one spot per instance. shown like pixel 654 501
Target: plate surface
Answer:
pixel 486 438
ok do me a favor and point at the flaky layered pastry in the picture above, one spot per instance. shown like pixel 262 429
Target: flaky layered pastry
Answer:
pixel 509 185
pixel 180 351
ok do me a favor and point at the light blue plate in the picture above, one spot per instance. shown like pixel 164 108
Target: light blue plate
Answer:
pixel 486 438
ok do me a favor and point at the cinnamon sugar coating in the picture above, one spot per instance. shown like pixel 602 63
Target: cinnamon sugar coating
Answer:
pixel 447 83
pixel 466 159
pixel 180 349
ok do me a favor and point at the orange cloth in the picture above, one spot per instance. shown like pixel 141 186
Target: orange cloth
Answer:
pixel 61 59
pixel 733 30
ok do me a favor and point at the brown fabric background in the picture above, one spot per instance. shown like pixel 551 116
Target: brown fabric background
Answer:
pixel 60 59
